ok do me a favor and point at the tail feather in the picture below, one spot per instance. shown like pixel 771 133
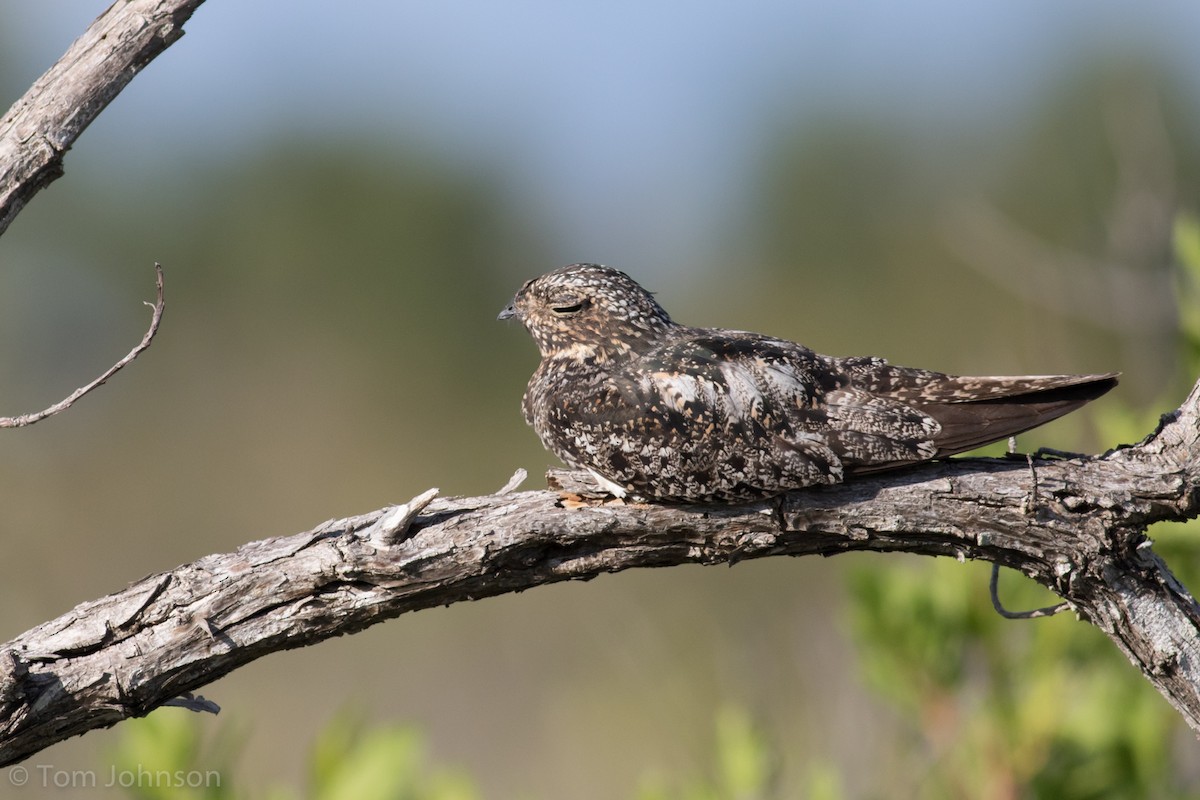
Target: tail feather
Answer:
pixel 992 409
pixel 974 411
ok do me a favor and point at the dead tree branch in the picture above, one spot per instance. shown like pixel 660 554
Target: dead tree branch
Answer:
pixel 155 319
pixel 38 130
pixel 1079 531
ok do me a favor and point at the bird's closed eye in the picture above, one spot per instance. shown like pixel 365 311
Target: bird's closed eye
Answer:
pixel 567 309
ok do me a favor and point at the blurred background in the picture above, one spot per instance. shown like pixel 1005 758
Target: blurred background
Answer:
pixel 343 201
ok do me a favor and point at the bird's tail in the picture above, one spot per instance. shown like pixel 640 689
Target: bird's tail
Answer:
pixel 974 411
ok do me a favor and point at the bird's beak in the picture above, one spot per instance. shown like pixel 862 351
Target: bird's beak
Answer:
pixel 508 313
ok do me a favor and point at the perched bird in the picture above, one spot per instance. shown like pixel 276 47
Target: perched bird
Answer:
pixel 664 411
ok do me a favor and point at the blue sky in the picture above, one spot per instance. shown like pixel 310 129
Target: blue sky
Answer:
pixel 631 125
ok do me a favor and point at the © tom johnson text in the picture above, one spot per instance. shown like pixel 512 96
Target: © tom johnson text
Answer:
pixel 48 776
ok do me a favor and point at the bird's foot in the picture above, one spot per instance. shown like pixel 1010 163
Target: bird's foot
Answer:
pixel 578 489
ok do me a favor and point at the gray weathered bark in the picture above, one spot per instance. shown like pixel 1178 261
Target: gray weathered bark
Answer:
pixel 1076 526
pixel 38 130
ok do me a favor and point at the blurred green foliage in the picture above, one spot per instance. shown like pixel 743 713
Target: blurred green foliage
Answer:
pixel 352 760
pixel 742 766
pixel 349 761
pixel 1044 709
pixel 166 756
pixel 1187 289
pixel 390 762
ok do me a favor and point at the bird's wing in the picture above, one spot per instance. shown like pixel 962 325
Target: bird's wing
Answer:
pixel 813 395
pixel 770 413
pixel 972 411
pixel 711 415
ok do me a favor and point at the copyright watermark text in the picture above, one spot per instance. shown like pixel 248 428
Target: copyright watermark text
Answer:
pixel 48 776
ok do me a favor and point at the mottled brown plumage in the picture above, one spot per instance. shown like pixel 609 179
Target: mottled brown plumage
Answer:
pixel 670 412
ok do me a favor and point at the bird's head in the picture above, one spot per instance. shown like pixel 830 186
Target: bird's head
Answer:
pixel 587 310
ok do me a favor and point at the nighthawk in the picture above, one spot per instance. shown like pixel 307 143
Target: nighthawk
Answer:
pixel 664 411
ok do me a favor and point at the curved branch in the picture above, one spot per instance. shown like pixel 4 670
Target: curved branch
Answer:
pixel 62 405
pixel 38 130
pixel 1076 526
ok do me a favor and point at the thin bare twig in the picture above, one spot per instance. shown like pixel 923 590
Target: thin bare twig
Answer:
pixel 63 405
pixel 994 591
